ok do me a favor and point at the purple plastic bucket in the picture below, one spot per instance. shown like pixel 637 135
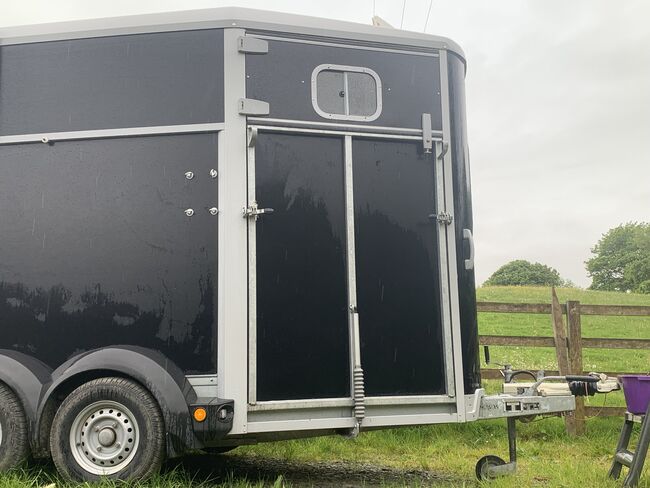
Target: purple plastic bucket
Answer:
pixel 637 392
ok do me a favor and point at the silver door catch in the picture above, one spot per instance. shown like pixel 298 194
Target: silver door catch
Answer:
pixel 427 133
pixel 442 218
pixel 254 211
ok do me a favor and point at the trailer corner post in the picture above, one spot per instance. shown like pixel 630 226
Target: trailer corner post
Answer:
pixel 446 156
pixel 232 362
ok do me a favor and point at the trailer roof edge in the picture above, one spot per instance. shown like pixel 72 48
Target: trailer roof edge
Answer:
pixel 220 18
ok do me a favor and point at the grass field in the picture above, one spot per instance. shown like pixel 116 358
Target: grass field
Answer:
pixel 547 456
pixel 540 325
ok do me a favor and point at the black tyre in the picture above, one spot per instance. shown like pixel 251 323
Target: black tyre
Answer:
pixel 109 427
pixel 484 464
pixel 14 445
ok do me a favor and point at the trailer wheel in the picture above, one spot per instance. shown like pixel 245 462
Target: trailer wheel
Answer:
pixel 109 427
pixel 484 464
pixel 14 446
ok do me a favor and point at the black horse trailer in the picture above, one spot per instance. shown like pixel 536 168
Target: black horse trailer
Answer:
pixel 229 226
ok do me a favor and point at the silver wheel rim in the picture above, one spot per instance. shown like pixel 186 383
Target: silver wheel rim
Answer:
pixel 104 438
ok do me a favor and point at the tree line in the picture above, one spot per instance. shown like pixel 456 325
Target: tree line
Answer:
pixel 620 262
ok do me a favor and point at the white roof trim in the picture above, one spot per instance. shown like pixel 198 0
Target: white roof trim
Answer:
pixel 220 18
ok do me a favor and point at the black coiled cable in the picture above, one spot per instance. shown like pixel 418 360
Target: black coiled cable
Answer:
pixel 582 388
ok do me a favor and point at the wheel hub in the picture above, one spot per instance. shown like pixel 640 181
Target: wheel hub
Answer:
pixel 104 437
pixel 107 437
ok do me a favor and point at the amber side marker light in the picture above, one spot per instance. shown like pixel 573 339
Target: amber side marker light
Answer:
pixel 200 414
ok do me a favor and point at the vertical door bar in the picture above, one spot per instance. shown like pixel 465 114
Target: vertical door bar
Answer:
pixel 347 93
pixel 232 269
pixel 355 344
pixel 444 276
pixel 252 271
pixel 447 175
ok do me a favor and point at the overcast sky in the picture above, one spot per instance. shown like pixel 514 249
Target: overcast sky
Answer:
pixel 558 97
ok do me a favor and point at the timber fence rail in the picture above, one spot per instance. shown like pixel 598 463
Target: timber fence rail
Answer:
pixel 568 343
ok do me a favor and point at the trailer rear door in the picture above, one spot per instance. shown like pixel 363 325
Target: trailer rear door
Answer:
pixel 347 247
pixel 299 267
pixel 397 268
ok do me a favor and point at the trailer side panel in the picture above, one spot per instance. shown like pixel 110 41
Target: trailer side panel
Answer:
pixel 96 248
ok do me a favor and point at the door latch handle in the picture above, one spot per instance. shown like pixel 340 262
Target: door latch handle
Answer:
pixel 442 218
pixel 254 211
pixel 469 263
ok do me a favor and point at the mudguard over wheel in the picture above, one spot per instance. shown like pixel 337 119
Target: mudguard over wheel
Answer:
pixel 14 445
pixel 109 427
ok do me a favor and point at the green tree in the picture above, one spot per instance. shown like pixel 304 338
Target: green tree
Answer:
pixel 621 259
pixel 524 273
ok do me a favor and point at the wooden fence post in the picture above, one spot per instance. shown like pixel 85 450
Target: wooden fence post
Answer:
pixel 575 357
pixel 561 352
pixel 559 334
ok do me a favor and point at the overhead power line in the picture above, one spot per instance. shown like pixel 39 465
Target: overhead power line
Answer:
pixel 426 22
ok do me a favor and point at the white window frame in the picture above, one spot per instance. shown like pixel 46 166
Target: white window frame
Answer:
pixel 345 69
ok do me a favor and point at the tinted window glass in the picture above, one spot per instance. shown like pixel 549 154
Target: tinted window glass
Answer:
pixel 362 94
pixel 331 92
pixel 341 93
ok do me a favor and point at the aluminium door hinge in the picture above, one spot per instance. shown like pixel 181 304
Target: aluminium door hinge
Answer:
pixel 250 106
pixel 253 211
pixel 252 45
pixel 442 218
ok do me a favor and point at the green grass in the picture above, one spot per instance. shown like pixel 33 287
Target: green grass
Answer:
pixel 44 475
pixel 547 456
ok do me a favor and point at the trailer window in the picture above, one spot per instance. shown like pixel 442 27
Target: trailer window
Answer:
pixel 346 92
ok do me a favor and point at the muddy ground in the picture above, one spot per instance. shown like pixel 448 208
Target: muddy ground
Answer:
pixel 302 474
